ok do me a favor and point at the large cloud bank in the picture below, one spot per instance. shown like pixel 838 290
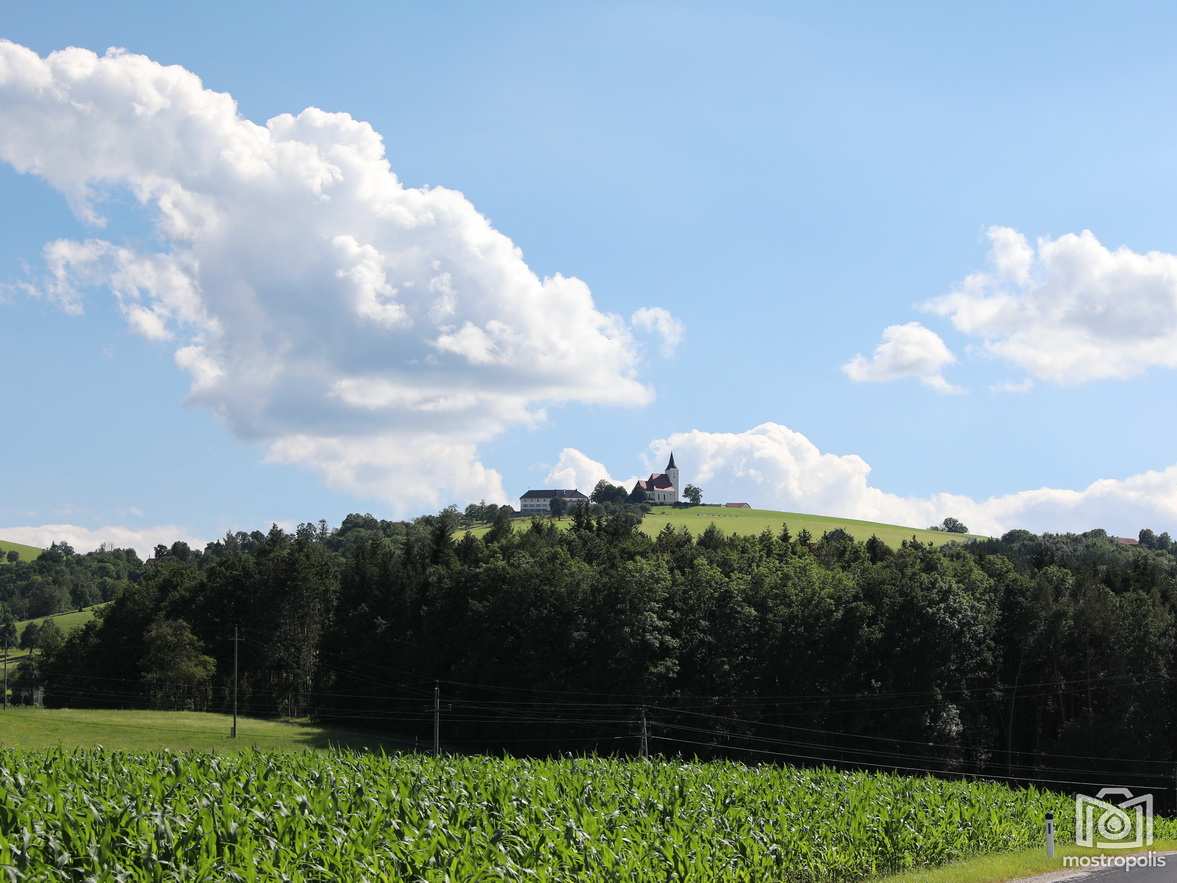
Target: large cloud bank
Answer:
pixel 776 467
pixel 374 332
pixel 1069 309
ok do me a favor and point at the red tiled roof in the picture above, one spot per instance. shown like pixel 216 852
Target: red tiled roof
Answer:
pixel 656 483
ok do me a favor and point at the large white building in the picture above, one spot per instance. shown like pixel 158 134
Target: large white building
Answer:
pixel 663 487
pixel 540 502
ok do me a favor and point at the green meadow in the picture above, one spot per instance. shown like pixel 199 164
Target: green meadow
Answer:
pixel 41 728
pixel 753 521
pixel 697 519
pixel 67 622
pixel 27 553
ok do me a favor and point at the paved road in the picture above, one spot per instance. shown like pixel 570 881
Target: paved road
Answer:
pixel 1167 874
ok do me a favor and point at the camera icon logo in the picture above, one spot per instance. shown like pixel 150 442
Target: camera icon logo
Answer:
pixel 1104 824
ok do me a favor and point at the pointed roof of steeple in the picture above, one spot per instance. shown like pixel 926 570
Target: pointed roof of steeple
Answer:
pixel 671 465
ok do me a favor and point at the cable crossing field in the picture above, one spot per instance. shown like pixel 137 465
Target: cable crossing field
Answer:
pixel 354 816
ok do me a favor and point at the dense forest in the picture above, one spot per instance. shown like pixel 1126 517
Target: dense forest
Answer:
pixel 1042 658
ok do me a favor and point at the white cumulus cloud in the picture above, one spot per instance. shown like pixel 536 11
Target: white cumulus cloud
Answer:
pixel 775 467
pixel 575 469
pixel 659 321
pixel 374 332
pixel 1069 309
pixel 906 351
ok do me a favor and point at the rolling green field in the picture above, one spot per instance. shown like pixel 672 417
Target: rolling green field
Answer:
pixel 752 521
pixel 67 622
pixel 40 728
pixel 27 553
pixel 100 814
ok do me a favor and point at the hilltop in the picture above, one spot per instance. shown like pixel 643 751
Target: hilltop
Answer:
pixel 749 522
pixel 27 553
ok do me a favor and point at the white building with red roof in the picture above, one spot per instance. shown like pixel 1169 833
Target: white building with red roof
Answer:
pixel 663 487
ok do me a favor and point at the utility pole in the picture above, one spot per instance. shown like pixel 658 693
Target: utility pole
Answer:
pixel 236 642
pixel 644 749
pixel 436 718
pixel 6 671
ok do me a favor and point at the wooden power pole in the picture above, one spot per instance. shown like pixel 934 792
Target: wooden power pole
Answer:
pixel 436 718
pixel 236 643
pixel 644 749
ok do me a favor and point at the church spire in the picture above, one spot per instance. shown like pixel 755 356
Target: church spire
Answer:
pixel 671 465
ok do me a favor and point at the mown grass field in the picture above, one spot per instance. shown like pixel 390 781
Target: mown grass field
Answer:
pixel 41 728
pixel 365 816
pixel 27 553
pixel 1000 867
pixel 67 622
pixel 752 521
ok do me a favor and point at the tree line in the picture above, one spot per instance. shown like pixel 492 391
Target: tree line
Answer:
pixel 1003 656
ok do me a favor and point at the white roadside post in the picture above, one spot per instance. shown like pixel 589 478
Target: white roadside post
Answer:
pixel 1050 835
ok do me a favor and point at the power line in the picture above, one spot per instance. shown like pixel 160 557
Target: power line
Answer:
pixel 888 766
pixel 904 741
pixel 869 752
pixel 859 695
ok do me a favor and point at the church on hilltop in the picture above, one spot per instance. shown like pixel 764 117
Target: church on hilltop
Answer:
pixel 663 487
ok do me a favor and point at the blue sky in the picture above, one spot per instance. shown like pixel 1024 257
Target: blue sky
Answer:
pixel 786 182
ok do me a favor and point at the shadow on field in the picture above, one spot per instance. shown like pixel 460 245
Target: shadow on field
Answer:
pixel 355 740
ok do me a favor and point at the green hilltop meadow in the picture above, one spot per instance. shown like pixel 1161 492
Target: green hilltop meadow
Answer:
pixel 27 553
pixel 66 622
pixel 749 522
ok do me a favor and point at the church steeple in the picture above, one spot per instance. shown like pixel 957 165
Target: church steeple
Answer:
pixel 671 465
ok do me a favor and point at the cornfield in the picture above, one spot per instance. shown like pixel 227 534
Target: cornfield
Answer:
pixel 101 815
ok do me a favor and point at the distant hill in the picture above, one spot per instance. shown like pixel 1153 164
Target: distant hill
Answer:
pixel 67 622
pixel 27 553
pixel 752 521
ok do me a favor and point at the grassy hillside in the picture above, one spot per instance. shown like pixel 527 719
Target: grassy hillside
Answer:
pixel 27 553
pixel 67 622
pixel 752 521
pixel 37 728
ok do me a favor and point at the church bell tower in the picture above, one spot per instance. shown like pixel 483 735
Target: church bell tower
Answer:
pixel 672 474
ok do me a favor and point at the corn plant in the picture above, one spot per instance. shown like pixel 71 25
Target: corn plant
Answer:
pixel 107 816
